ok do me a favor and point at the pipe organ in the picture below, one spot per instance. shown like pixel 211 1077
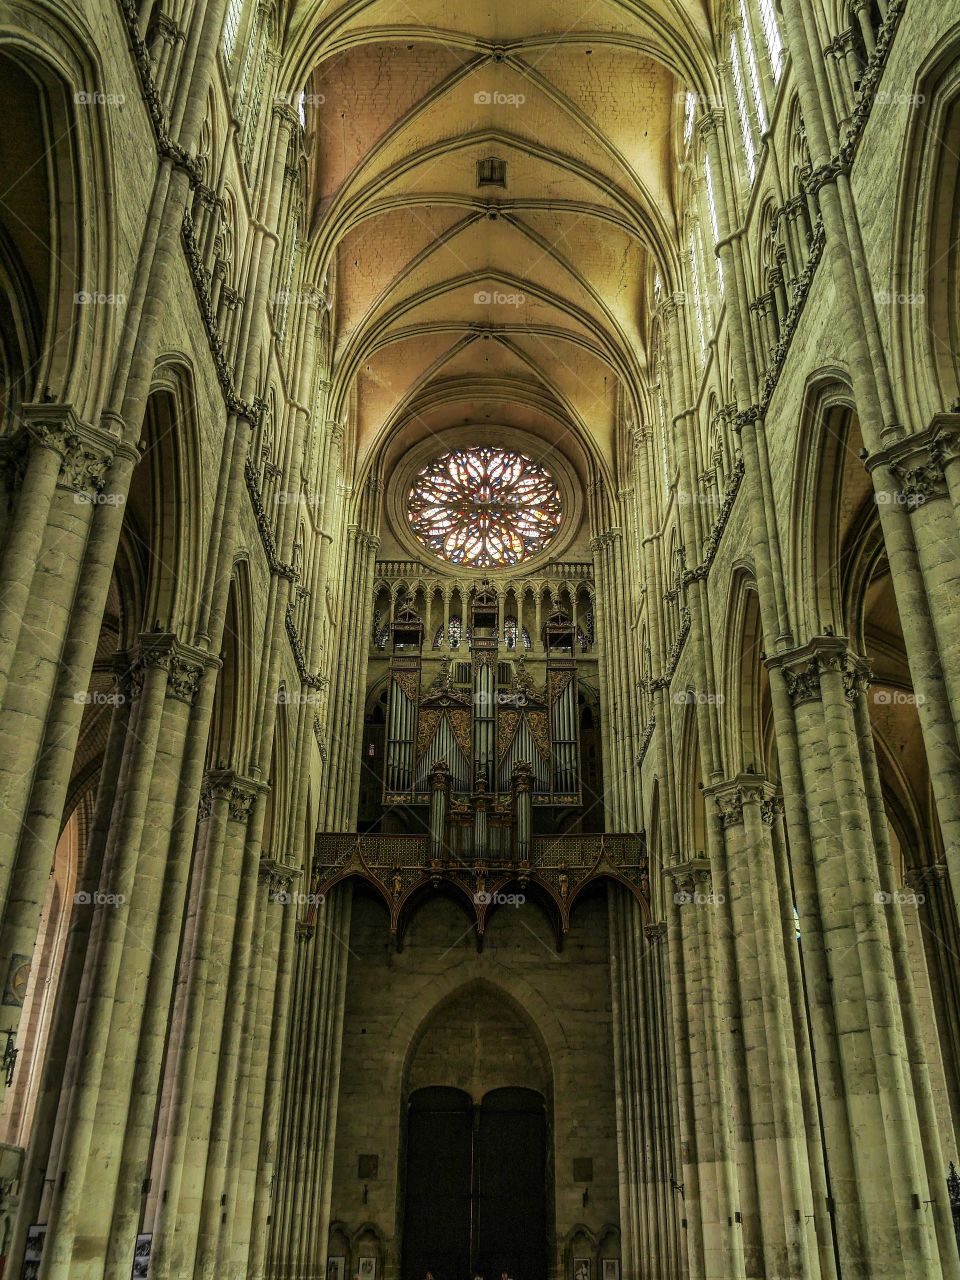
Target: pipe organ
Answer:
pixel 503 741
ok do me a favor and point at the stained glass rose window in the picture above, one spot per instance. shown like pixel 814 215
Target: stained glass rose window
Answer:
pixel 484 507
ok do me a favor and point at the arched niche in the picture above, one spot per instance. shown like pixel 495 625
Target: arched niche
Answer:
pixel 476 1040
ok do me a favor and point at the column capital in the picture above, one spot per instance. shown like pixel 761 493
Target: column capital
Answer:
pixel 236 791
pixel 771 809
pixel 278 877
pixel 710 122
pixel 86 451
pixel 747 417
pixel 183 663
pixel 803 667
pixel 825 174
pixel 918 463
pixel 933 874
pixel 687 875
pixel 733 794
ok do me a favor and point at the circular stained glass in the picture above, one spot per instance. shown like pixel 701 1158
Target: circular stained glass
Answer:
pixel 484 507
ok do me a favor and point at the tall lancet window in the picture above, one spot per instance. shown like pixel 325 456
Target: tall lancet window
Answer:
pixel 714 223
pixel 772 38
pixel 231 29
pixel 697 294
pixel 743 111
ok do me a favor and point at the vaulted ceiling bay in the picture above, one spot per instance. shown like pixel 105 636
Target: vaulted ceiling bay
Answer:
pixel 491 191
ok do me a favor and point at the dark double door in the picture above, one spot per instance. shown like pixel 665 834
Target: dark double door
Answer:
pixel 476 1194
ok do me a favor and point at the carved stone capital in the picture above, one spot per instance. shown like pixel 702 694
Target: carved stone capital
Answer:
pixel 183 664
pixel 689 877
pixel 918 463
pixel 277 877
pixel 747 417
pixel 824 174
pixel 231 788
pixel 86 452
pixel 730 808
pixel 928 877
pixel 771 809
pixel 710 122
pixel 802 668
pixel 243 796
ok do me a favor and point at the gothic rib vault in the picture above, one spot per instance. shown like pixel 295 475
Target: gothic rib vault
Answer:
pixel 479 663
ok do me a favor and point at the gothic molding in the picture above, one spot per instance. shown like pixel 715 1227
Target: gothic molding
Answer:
pixel 311 679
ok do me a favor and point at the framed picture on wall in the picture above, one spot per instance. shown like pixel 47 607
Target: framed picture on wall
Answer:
pixel 33 1251
pixel 337 1268
pixel 611 1269
pixel 581 1269
pixel 367 1269
pixel 141 1256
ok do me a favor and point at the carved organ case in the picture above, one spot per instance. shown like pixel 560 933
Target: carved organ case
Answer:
pixel 483 715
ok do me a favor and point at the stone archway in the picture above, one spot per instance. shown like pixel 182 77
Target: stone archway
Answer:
pixel 477 1129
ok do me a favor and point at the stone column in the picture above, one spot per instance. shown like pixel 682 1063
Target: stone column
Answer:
pixel 718 1186
pixel 265 1198
pixel 787 1179
pixel 193 1080
pixel 878 1098
pixel 86 497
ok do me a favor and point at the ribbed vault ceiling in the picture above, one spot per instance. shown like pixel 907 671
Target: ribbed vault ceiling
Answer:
pixel 519 304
